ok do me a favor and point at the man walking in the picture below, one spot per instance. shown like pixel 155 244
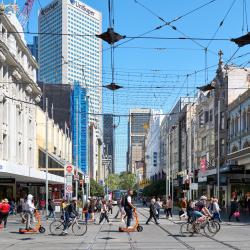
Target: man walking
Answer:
pixel 129 207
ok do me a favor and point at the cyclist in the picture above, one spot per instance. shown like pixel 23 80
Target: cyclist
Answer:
pixel 70 212
pixel 201 210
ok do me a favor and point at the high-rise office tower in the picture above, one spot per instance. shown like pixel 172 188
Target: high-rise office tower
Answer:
pixel 69 51
pixel 137 128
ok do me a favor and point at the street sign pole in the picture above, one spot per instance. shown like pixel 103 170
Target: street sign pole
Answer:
pixel 46 159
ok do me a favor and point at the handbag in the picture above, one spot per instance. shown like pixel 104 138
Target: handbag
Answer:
pixel 237 214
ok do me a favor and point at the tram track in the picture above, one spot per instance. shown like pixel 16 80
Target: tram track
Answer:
pixel 186 244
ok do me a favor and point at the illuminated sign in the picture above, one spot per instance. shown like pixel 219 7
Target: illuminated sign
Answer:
pixel 49 8
pixel 82 7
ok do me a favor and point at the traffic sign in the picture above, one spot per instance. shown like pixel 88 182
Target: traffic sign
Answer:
pixel 68 188
pixel 69 169
pixel 86 179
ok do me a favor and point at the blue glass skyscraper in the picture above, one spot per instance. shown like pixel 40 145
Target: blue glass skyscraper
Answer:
pixel 79 121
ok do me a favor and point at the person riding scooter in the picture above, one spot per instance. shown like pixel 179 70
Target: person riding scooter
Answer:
pixel 29 210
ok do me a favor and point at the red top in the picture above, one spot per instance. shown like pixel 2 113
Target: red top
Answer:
pixel 4 208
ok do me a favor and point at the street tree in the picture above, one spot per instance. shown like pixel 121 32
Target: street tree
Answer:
pixel 95 188
pixel 127 180
pixel 113 181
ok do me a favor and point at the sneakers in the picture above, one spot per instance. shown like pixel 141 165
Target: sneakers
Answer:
pixel 110 223
pixel 64 232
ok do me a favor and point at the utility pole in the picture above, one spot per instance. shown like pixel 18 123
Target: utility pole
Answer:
pixel 169 161
pixel 190 150
pixel 46 158
pixel 77 147
pixel 218 156
pixel 167 167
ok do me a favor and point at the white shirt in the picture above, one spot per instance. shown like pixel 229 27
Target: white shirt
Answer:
pixel 129 199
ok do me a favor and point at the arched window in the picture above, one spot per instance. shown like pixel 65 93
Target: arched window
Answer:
pixel 246 144
pixel 234 149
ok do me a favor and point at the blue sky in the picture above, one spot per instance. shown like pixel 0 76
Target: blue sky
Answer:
pixel 148 63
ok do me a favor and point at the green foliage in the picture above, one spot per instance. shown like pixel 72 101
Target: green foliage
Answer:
pixel 113 181
pixel 155 188
pixel 127 180
pixel 95 188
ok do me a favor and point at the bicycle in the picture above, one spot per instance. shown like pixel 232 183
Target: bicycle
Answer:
pixel 79 227
pixel 209 226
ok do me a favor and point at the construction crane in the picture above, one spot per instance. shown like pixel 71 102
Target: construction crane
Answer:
pixel 25 13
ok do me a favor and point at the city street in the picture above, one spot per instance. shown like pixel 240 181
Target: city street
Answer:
pixel 164 236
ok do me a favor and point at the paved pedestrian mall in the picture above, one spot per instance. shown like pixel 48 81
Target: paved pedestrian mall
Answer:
pixel 165 236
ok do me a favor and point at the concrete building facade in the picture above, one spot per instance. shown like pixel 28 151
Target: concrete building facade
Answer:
pixel 19 94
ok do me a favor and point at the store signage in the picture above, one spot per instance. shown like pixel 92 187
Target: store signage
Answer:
pixel 49 8
pixel 82 7
pixel 202 179
pixel 194 186
pixel 7 180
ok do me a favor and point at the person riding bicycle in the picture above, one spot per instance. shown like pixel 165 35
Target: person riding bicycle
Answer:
pixel 70 212
pixel 201 210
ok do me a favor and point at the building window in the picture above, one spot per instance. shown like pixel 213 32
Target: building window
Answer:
pixel 203 143
pixel 201 120
pixel 236 125
pixel 5 147
pixel 248 119
pixel 222 147
pixel 19 152
pixel 210 115
pixel 206 116
pixel 222 120
pixel 244 120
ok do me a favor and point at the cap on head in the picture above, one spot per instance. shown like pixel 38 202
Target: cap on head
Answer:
pixel 203 197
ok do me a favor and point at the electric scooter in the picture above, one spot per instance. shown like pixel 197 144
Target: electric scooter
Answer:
pixel 136 227
pixel 38 227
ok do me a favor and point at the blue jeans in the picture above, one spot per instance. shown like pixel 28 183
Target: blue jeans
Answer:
pixel 216 216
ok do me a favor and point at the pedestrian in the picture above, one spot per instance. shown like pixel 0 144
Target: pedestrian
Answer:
pixel 128 207
pixel 12 204
pixel 248 204
pixel 29 211
pixel 104 212
pixel 110 206
pixel 22 209
pixel 183 208
pixel 51 208
pixel 190 210
pixel 216 209
pixel 91 210
pixel 86 209
pixel 158 206
pixel 42 205
pixel 234 209
pixel 152 212
pixel 169 207
pixel 144 201
pixel 4 212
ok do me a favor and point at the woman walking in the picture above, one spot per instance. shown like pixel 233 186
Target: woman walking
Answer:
pixel 169 207
pixel 152 212
pixel 104 212
pixel 234 209
pixel 158 206
pixel 4 212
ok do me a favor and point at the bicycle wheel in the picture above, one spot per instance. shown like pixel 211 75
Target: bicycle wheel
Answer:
pixel 79 227
pixel 56 227
pixel 211 228
pixel 186 229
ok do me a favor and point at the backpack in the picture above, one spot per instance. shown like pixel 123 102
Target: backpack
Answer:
pixel 123 201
